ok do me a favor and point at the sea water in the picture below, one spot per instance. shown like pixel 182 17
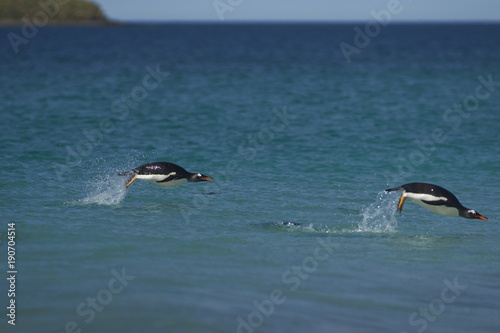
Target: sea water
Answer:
pixel 296 232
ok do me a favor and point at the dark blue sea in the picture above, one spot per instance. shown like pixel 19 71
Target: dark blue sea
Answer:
pixel 302 127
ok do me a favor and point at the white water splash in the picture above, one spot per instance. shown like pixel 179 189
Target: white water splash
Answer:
pixel 109 190
pixel 380 216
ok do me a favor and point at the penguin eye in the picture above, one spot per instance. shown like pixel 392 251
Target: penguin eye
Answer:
pixel 199 174
pixel 472 211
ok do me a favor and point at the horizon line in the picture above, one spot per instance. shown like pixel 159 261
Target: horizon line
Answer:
pixel 302 21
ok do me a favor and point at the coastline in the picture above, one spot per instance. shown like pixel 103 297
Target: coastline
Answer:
pixel 83 23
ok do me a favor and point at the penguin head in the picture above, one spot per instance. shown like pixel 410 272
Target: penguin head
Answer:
pixel 198 177
pixel 472 214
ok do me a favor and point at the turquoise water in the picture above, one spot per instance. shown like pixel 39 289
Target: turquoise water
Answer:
pixel 296 233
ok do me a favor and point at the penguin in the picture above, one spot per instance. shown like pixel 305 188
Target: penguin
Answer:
pixel 164 174
pixel 436 199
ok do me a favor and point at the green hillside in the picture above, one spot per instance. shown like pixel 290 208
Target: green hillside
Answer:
pixel 57 11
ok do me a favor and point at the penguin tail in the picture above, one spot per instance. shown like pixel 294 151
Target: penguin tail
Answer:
pixel 395 189
pixel 127 173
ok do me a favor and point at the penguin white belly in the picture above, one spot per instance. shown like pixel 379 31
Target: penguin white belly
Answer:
pixel 154 179
pixel 438 209
pixel 442 210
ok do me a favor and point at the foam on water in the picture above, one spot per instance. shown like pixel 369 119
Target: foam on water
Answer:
pixel 106 190
pixel 104 186
pixel 380 216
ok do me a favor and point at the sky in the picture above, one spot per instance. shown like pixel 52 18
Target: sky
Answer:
pixel 300 10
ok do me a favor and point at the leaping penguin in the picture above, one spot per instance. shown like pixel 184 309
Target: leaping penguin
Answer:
pixel 164 174
pixel 436 199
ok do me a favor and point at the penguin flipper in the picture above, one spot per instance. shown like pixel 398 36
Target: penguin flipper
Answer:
pixel 171 177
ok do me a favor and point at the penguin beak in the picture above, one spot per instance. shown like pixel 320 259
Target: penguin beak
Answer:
pixel 208 179
pixel 481 217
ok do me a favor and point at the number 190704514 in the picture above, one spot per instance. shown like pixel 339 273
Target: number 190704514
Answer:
pixel 11 250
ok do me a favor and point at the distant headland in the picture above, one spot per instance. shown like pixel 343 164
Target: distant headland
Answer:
pixel 52 12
